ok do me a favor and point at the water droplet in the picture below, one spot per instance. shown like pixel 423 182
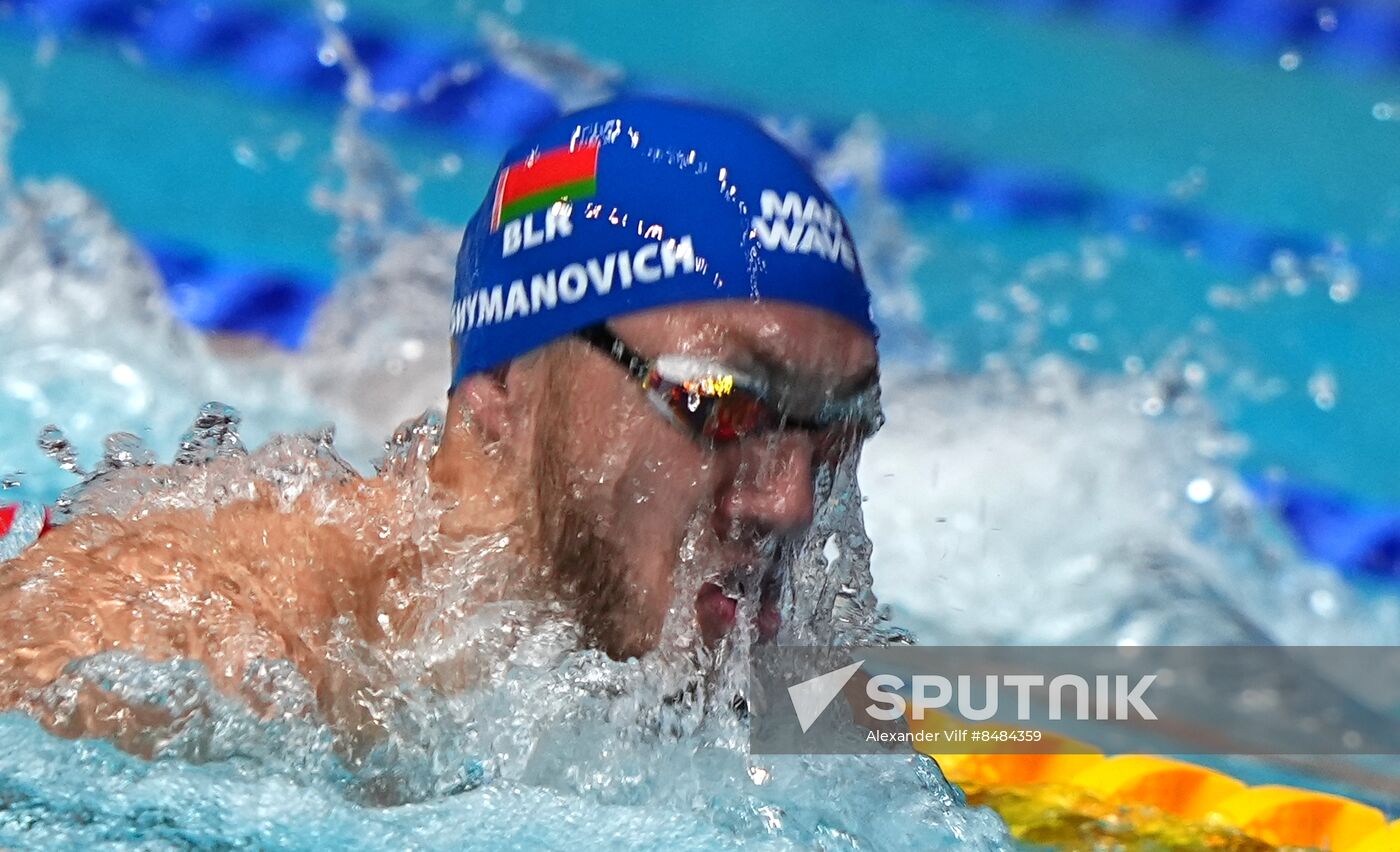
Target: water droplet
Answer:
pixel 123 449
pixel 1200 490
pixel 1189 185
pixel 1326 19
pixel 988 311
pixel 1283 263
pixel 1342 290
pixel 1290 60
pixel 288 144
pixel 45 49
pixel 124 375
pixel 131 52
pixel 1223 296
pixel 831 551
pixel 1323 602
pixel 245 155
pixel 415 438
pixel 1322 387
pixel 213 434
pixel 54 444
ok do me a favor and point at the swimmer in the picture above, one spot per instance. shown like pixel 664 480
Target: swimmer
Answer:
pixel 660 333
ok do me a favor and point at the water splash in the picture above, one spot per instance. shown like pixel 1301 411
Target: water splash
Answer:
pixel 91 344
pixel 54 444
pixel 639 734
pixel 575 81
pixel 890 253
pixel 213 435
pixel 1066 507
pixel 124 450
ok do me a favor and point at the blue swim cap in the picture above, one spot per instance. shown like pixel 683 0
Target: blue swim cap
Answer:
pixel 641 203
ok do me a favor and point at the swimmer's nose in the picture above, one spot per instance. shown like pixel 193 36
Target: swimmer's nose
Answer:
pixel 773 488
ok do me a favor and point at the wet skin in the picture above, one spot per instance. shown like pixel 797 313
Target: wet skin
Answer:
pixel 560 455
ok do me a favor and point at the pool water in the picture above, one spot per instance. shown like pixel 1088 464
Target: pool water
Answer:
pixel 1078 394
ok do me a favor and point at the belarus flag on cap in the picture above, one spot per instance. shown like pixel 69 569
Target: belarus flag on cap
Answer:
pixel 566 173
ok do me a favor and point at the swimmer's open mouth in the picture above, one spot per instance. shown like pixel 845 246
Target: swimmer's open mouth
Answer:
pixel 717 604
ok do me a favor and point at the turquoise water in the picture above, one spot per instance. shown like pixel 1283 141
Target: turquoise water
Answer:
pixel 1013 498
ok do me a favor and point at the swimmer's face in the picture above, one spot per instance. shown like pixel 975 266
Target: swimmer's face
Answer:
pixel 627 496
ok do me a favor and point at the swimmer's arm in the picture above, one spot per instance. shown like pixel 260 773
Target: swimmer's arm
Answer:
pixel 248 582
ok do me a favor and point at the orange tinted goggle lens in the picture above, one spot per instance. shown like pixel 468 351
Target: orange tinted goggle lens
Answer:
pixel 718 417
pixel 738 415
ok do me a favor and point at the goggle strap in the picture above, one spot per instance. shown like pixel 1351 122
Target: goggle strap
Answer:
pixel 600 337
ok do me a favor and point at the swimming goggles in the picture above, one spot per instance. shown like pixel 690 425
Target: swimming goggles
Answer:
pixel 717 405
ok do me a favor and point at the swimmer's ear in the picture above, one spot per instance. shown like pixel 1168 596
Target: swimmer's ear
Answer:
pixel 488 400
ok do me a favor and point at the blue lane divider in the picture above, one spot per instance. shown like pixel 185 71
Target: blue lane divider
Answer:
pixel 992 194
pixel 1357 537
pixel 222 295
pixel 1355 37
pixel 275 54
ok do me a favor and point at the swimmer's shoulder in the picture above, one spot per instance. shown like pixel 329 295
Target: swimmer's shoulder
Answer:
pixel 252 578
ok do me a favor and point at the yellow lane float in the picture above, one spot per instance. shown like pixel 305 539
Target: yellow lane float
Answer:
pixel 1076 798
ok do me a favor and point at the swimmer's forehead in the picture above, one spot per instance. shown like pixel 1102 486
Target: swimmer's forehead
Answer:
pixel 787 345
